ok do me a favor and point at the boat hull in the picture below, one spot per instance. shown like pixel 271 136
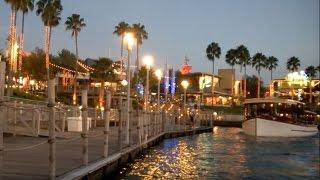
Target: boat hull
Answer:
pixel 263 127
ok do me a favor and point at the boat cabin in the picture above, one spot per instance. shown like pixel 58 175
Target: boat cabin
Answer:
pixel 282 110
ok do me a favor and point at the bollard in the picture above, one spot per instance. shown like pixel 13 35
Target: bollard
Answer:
pixel 84 135
pixel 52 137
pixel 106 124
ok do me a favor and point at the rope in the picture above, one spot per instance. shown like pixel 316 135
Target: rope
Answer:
pixel 97 135
pixel 68 140
pixel 26 147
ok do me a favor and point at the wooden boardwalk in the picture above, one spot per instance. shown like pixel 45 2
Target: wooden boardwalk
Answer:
pixel 22 161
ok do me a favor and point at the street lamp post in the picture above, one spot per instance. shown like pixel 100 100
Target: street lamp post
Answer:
pixel 158 73
pixel 185 85
pixel 129 39
pixel 148 62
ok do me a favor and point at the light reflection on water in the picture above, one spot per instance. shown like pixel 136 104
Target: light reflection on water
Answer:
pixel 228 154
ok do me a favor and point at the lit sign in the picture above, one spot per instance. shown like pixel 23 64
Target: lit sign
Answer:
pixel 205 82
pixel 297 78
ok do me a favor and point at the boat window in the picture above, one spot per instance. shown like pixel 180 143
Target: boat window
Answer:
pixel 287 113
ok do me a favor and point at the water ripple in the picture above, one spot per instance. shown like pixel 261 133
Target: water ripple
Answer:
pixel 227 153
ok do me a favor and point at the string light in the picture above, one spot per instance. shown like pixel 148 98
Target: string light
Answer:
pixel 65 69
pixel 86 67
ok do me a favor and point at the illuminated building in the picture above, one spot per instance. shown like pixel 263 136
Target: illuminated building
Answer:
pixel 295 85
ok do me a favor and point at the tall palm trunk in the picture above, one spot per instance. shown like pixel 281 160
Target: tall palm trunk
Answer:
pixel 241 82
pixel 245 82
pixel 121 51
pixel 21 44
pixel 47 30
pixel 137 61
pixel 212 82
pixel 258 84
pixel 271 84
pixel 11 44
pixel 121 55
pixel 101 94
pixel 74 97
pixel 310 91
pixel 232 81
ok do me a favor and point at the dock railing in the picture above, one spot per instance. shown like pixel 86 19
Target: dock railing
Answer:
pixel 47 127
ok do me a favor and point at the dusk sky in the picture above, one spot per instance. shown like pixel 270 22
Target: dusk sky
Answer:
pixel 179 28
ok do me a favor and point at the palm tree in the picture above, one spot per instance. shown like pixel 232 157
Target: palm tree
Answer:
pixel 243 57
pixel 311 71
pixel 74 23
pixel 50 11
pixel 293 64
pixel 25 7
pixel 271 63
pixel 15 5
pixel 231 59
pixel 213 51
pixel 140 34
pixel 258 62
pixel 120 30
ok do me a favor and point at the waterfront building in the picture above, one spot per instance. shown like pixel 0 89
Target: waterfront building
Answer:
pixel 208 89
pixel 296 86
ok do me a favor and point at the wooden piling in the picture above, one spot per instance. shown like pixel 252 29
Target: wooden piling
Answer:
pixel 139 129
pixel 106 124
pixel 51 139
pixel 2 78
pixel 84 135
pixel 120 124
pixel 2 116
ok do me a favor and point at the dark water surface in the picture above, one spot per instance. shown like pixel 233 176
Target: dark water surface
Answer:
pixel 227 153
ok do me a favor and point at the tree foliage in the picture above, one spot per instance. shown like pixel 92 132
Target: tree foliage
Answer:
pixel 243 56
pixel 293 63
pixel 74 23
pixel 231 57
pixel 141 77
pixel 252 82
pixel 311 71
pixel 34 65
pixel 50 11
pixel 259 61
pixel 104 71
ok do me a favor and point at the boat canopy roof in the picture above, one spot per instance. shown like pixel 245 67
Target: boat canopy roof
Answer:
pixel 272 100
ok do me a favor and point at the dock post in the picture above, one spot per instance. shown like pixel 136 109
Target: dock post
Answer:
pixel 84 135
pixel 139 126
pixel 52 136
pixel 145 126
pixel 2 78
pixel 120 124
pixel 106 124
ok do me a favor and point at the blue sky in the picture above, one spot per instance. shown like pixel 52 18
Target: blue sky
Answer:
pixel 178 28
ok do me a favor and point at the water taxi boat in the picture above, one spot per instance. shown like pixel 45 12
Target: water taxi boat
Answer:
pixel 278 117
